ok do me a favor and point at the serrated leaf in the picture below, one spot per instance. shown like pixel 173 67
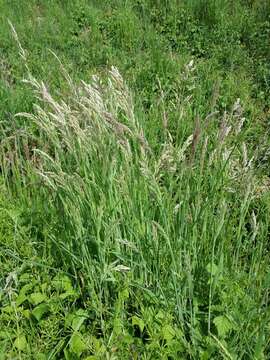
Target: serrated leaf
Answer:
pixel 21 343
pixel 44 287
pixel 26 313
pixel 37 298
pixel 62 283
pixel 40 310
pixel 128 339
pixel 70 293
pixel 41 356
pixel 77 345
pixel 26 277
pixel 4 334
pixel 8 309
pixel 161 316
pixel 22 297
pixel 168 332
pixel 223 325
pixel 124 295
pixel 139 322
pixel 117 326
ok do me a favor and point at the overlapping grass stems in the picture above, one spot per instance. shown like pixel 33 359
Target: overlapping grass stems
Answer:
pixel 169 224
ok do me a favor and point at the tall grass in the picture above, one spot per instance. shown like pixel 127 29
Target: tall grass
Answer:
pixel 178 228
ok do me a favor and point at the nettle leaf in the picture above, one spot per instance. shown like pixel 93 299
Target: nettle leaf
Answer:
pixel 22 297
pixel 4 334
pixel 41 356
pixel 161 315
pixel 28 279
pixel 77 344
pixel 124 295
pixel 117 326
pixel 223 325
pixel 8 309
pixel 70 293
pixel 168 332
pixel 44 287
pixel 139 322
pixel 21 343
pixel 127 339
pixel 37 298
pixel 40 310
pixel 26 313
pixel 62 283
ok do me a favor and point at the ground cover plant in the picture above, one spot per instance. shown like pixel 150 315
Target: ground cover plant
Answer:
pixel 134 204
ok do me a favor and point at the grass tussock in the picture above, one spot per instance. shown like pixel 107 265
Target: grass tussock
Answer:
pixel 134 209
pixel 143 233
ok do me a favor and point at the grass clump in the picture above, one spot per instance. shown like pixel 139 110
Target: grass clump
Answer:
pixel 134 215
pixel 157 244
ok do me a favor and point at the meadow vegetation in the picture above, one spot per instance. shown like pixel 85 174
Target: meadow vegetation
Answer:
pixel 134 176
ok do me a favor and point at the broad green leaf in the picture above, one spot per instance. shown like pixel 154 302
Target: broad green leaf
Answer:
pixel 70 293
pixel 78 319
pixel 40 310
pixel 8 309
pixel 168 332
pixel 21 343
pixel 117 326
pixel 161 315
pixel 99 347
pixel 4 334
pixel 212 269
pixel 223 325
pixel 128 339
pixel 41 356
pixel 44 287
pixel 68 354
pixel 77 345
pixel 124 295
pixel 62 283
pixel 28 278
pixel 22 297
pixel 37 298
pixel 26 313
pixel 139 322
